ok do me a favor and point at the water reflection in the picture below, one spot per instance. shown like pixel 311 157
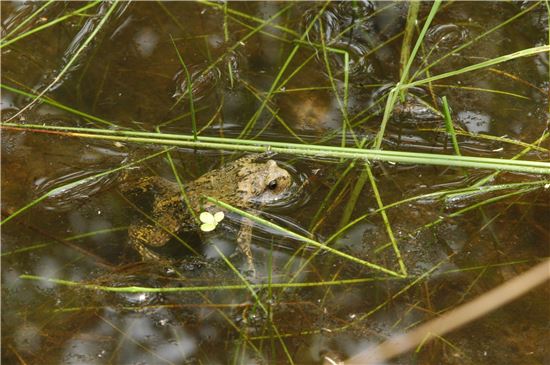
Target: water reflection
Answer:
pixel 146 41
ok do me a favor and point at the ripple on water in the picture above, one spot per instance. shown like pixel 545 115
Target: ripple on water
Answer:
pixel 63 199
pixel 446 36
pixel 202 82
pixel 208 76
pixel 67 161
pixel 348 27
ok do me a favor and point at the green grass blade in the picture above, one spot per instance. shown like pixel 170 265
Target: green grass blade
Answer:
pixel 548 42
pixel 343 106
pixel 481 89
pixel 22 24
pixel 449 125
pixel 405 57
pixel 352 200
pixel 58 105
pixel 248 17
pixel 386 221
pixel 536 167
pixel 72 238
pixel 73 59
pixel 505 58
pixel 182 189
pixel 388 109
pixel 301 238
pixel 46 25
pixel 333 189
pixel 256 298
pixel 73 184
pixel 393 95
pixel 489 137
pixel 189 91
pixel 182 289
pixel 479 204
pixel 482 35
pixel 492 176
pixel 275 114
pixel 240 42
pixel 448 195
pixel 275 84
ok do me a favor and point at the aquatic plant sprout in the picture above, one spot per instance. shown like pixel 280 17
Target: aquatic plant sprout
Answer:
pixel 210 221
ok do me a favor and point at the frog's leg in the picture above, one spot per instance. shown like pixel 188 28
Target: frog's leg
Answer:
pixel 145 184
pixel 244 240
pixel 143 234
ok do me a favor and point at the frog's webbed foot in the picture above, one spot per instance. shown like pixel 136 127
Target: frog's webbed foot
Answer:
pixel 244 240
pixel 142 235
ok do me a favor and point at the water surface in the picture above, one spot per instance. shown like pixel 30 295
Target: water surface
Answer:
pixel 130 76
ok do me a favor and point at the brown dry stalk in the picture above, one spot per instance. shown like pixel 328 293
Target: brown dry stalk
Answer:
pixel 456 318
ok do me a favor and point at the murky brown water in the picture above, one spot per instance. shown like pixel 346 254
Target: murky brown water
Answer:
pixel 130 76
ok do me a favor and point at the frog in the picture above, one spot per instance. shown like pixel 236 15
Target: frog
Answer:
pixel 248 183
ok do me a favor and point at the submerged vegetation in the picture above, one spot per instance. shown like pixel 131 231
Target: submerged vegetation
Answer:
pixel 416 132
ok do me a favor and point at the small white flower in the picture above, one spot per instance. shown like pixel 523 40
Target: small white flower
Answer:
pixel 210 221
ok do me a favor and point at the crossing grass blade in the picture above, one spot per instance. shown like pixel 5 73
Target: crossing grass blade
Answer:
pixel 72 60
pixel 535 167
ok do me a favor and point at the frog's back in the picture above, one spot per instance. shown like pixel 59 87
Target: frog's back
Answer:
pixel 243 183
pixel 221 184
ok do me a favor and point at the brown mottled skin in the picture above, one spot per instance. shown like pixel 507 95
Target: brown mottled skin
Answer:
pixel 244 183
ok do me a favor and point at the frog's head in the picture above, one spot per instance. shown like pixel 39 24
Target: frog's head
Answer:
pixel 265 183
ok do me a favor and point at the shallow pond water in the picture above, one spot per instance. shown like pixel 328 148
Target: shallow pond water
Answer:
pixel 292 72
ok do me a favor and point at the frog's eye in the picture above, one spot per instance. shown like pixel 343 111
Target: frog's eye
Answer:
pixel 272 185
